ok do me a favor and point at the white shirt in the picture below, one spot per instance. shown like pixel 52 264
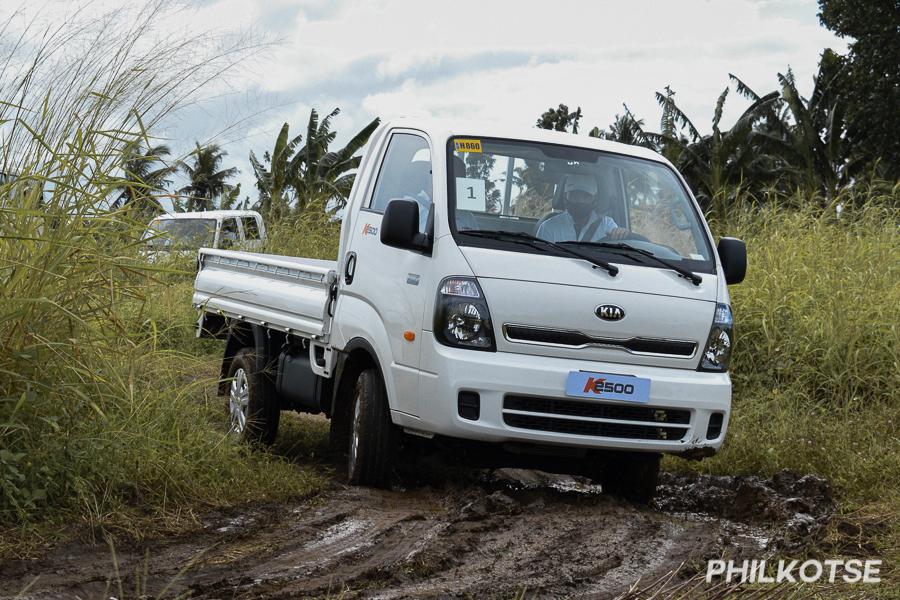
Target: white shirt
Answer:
pixel 561 228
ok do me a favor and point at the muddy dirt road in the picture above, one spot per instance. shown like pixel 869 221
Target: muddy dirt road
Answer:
pixel 505 531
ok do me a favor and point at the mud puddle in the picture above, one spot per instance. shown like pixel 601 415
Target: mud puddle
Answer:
pixel 505 531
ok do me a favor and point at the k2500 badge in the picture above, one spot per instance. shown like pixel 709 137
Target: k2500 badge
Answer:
pixel 369 230
pixel 607 386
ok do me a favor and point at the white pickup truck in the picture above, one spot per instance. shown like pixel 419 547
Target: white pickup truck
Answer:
pixel 549 293
pixel 185 232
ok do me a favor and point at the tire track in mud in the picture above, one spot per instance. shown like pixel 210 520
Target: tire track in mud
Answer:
pixel 553 535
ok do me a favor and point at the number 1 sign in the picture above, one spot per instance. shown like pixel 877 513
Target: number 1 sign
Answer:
pixel 470 194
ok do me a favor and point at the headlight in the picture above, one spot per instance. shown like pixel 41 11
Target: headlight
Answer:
pixel 721 337
pixel 461 316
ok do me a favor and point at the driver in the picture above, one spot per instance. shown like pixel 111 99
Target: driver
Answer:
pixel 580 221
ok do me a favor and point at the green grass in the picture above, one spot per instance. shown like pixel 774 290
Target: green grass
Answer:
pixel 312 235
pixel 816 369
pixel 107 419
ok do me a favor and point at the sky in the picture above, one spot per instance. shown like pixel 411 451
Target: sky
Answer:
pixel 485 59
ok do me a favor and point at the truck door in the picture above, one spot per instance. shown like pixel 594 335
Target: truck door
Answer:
pixel 392 280
pixel 229 235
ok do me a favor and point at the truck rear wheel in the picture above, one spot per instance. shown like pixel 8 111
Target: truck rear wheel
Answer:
pixel 372 436
pixel 632 476
pixel 253 410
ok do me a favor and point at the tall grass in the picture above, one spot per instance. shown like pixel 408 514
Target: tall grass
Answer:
pixel 104 415
pixel 816 366
pixel 816 370
pixel 309 234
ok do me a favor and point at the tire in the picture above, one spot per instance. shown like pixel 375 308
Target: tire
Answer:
pixel 372 440
pixel 632 476
pixel 253 408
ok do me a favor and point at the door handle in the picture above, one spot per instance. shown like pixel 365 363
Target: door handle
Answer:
pixel 350 268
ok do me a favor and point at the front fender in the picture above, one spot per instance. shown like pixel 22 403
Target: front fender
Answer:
pixel 358 320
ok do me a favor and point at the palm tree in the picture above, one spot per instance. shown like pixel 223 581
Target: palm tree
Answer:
pixel 207 180
pixel 143 178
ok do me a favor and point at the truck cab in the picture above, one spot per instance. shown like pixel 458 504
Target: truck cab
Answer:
pixel 519 287
pixel 188 231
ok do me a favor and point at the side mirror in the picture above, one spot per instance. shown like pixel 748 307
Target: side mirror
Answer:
pixel 733 254
pixel 400 225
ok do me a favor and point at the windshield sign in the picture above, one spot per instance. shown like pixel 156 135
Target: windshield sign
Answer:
pixel 588 200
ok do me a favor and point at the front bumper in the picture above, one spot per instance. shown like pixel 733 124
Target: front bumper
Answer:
pixel 499 375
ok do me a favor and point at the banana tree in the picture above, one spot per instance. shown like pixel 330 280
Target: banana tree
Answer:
pixel 721 160
pixel 321 177
pixel 275 174
pixel 812 142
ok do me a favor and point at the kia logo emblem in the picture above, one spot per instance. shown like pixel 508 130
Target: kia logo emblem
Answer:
pixel 610 312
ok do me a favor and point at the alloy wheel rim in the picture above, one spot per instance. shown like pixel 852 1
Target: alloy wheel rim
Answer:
pixel 354 430
pixel 238 402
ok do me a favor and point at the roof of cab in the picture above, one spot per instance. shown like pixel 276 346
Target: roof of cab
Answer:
pixel 443 129
pixel 209 214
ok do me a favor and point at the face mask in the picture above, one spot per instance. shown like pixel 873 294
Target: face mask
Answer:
pixel 579 210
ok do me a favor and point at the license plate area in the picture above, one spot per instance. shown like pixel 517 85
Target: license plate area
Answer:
pixel 607 386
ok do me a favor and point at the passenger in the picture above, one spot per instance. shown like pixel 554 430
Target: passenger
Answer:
pixel 580 221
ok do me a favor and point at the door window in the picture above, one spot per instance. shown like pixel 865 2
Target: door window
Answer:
pixel 251 228
pixel 229 236
pixel 405 173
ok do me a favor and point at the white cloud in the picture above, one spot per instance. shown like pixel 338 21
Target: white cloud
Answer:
pixel 499 60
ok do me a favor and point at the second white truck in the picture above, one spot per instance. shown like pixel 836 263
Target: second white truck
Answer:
pixel 550 293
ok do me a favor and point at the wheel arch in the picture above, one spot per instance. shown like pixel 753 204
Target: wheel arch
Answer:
pixel 243 335
pixel 357 355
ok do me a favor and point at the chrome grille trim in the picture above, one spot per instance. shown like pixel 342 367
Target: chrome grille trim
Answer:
pixel 573 339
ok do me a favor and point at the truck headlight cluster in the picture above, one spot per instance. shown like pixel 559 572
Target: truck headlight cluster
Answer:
pixel 461 317
pixel 717 352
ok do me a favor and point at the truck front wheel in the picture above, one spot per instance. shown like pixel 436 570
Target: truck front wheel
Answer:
pixel 253 410
pixel 372 435
pixel 632 476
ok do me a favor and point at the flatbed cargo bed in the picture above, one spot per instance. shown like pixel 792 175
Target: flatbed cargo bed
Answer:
pixel 282 292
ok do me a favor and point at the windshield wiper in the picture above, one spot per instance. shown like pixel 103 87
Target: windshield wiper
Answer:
pixel 687 274
pixel 533 241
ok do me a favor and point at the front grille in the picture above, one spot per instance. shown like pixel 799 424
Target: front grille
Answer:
pixel 578 339
pixel 576 408
pixel 592 428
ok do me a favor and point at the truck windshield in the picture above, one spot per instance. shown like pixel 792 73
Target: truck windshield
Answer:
pixel 166 234
pixel 597 202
